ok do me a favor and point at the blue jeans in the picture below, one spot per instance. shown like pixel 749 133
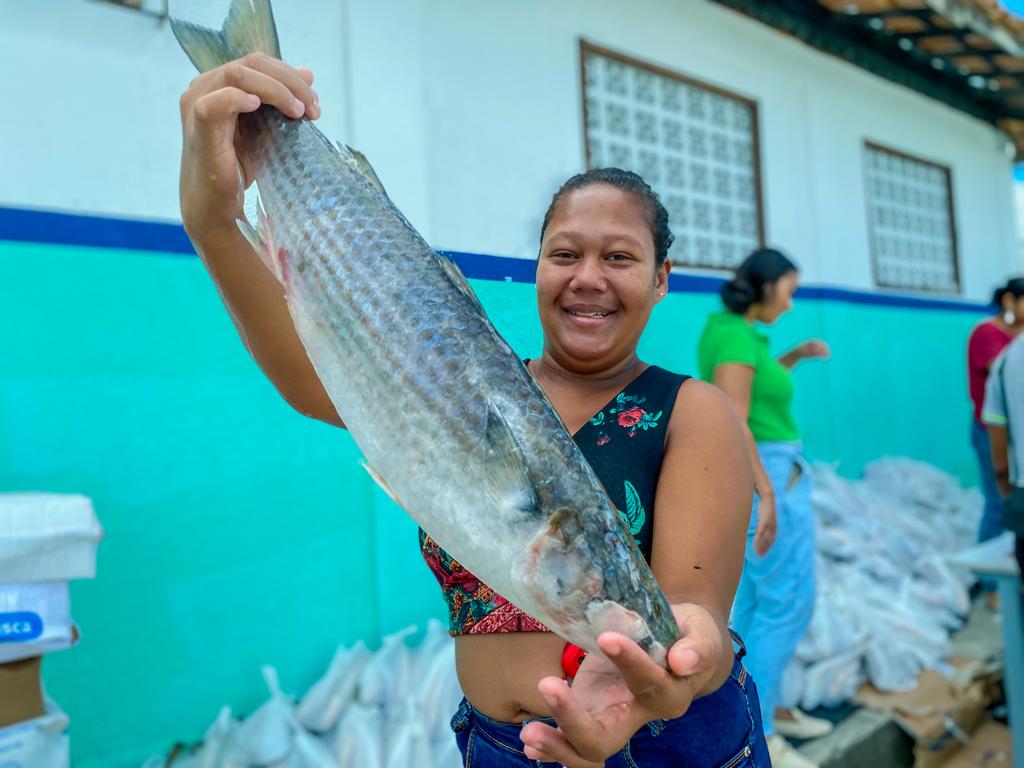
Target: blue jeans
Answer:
pixel 775 599
pixel 720 730
pixel 992 515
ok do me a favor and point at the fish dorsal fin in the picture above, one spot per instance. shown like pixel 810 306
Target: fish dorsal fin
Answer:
pixel 358 161
pixel 456 276
pixel 505 471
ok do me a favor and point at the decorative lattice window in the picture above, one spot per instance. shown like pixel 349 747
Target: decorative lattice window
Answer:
pixel 910 214
pixel 695 144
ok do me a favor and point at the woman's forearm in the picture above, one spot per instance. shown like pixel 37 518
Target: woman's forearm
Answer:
pixel 762 484
pixel 256 303
pixel 791 358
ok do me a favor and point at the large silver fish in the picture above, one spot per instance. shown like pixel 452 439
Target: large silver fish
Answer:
pixel 452 425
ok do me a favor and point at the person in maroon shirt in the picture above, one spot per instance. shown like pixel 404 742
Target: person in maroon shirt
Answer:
pixel 987 340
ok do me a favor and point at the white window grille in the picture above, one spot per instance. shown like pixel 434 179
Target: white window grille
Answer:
pixel 695 144
pixel 912 226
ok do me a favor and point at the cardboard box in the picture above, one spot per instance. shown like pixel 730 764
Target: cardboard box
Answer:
pixel 989 747
pixel 941 713
pixel 21 691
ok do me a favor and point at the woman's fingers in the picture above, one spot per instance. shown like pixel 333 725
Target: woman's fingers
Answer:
pixel 574 721
pixel 222 105
pixel 764 536
pixel 700 647
pixel 268 89
pixel 644 678
pixel 274 82
pixel 290 78
pixel 549 745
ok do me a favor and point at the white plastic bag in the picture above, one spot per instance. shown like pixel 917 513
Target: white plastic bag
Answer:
pixel 265 738
pixel 437 693
pixel 321 707
pixel 408 742
pixel 358 740
pixel 446 752
pixel 389 675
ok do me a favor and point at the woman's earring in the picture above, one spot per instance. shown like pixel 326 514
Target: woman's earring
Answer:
pixel 1009 318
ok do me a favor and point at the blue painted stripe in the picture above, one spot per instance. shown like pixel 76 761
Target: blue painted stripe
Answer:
pixel 37 226
pixel 483 267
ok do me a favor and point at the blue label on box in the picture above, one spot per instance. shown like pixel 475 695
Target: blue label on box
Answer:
pixel 20 627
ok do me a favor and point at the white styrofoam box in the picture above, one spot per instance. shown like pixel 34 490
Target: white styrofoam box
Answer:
pixel 38 743
pixel 34 619
pixel 47 537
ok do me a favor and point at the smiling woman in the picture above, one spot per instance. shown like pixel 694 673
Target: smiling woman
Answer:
pixel 596 281
pixel 671 457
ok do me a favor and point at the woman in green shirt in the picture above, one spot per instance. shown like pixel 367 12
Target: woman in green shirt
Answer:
pixel 776 595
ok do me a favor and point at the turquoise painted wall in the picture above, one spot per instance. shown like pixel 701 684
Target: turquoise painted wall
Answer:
pixel 239 533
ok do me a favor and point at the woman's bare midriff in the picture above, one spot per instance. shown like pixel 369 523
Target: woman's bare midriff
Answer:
pixel 499 673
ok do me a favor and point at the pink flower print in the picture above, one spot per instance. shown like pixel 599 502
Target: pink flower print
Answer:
pixel 631 417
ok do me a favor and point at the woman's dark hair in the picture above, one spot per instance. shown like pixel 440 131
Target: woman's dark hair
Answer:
pixel 1014 286
pixel 759 270
pixel 627 181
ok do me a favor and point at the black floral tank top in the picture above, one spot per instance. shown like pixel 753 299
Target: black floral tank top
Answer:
pixel 625 444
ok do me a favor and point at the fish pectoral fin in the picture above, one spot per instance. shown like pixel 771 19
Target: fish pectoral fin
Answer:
pixel 459 279
pixel 504 468
pixel 382 483
pixel 262 240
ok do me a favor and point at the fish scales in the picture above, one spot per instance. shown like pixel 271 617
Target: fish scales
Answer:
pixel 446 328
pixel 446 416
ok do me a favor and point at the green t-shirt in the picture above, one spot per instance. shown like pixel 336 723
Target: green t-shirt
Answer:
pixel 729 338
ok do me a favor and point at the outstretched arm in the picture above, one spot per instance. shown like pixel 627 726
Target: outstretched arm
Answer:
pixel 212 186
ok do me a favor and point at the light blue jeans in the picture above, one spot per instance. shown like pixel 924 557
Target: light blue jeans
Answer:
pixel 775 599
pixel 991 524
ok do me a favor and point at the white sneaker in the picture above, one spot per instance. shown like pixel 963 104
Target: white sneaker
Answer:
pixel 784 756
pixel 802 726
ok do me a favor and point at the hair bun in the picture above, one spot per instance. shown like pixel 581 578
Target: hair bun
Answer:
pixel 738 295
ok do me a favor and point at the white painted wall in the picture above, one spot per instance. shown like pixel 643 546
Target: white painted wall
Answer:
pixel 471 113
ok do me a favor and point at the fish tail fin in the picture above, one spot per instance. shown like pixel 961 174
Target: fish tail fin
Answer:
pixel 249 28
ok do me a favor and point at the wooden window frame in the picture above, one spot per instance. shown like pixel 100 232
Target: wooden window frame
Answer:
pixel 587 47
pixel 947 171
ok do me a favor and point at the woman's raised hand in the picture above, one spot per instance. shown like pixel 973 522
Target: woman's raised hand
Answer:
pixel 815 348
pixel 213 178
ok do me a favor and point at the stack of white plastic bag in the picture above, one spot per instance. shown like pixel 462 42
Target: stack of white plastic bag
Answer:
pixel 387 709
pixel 887 602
